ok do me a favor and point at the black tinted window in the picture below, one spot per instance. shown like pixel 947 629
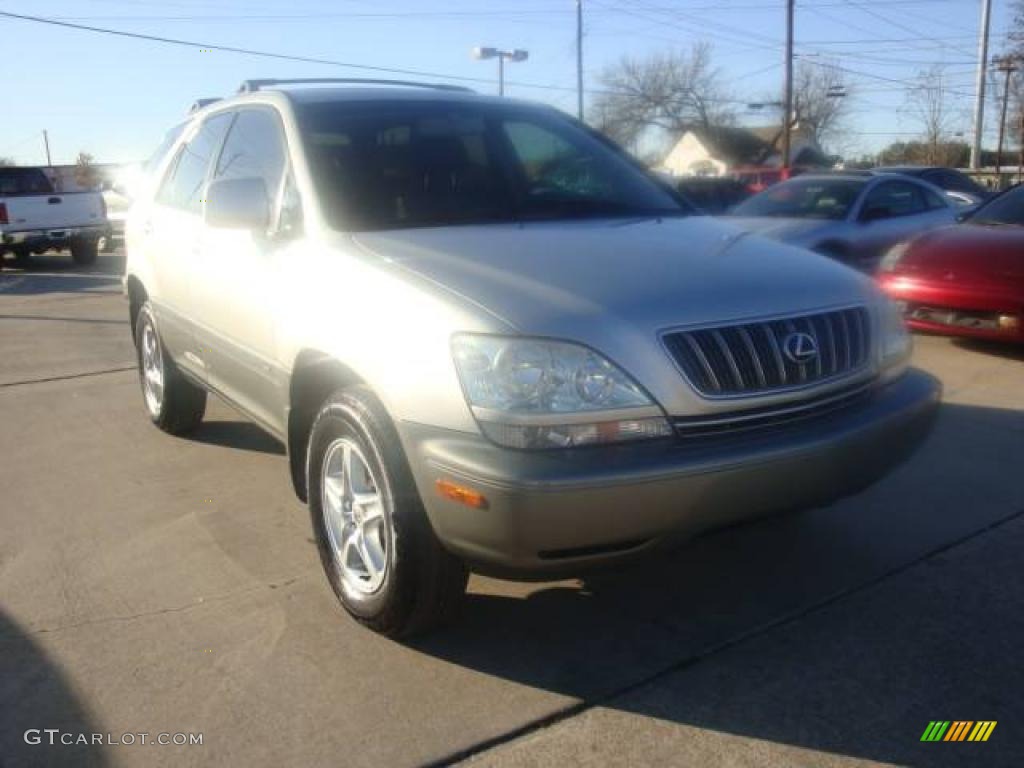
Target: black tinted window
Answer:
pixel 934 200
pixel 897 198
pixel 392 165
pixel 812 198
pixel 184 184
pixel 1008 208
pixel 24 181
pixel 254 149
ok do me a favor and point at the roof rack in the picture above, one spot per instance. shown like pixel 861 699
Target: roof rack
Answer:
pixel 200 103
pixel 249 86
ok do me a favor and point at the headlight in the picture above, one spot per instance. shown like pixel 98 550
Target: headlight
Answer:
pixel 892 257
pixel 896 345
pixel 532 393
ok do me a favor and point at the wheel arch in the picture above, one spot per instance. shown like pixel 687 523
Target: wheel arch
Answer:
pixel 137 296
pixel 315 375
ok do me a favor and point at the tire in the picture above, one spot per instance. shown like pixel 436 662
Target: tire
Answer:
pixel 22 256
pixel 177 405
pixel 414 584
pixel 83 250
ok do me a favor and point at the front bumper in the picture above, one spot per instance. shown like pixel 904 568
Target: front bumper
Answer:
pixel 554 512
pixel 957 309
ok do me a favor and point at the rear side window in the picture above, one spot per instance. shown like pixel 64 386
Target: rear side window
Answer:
pixel 934 200
pixel 254 149
pixel 899 198
pixel 24 181
pixel 184 184
pixel 153 161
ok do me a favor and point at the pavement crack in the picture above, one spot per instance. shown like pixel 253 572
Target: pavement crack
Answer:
pixel 197 603
pixel 67 377
pixel 729 643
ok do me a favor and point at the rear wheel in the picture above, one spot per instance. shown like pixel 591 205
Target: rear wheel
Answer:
pixel 381 556
pixel 83 250
pixel 174 403
pixel 22 256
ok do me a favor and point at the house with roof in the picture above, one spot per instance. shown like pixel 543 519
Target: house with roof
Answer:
pixel 721 150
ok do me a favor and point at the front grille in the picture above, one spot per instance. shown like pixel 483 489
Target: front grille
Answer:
pixel 751 358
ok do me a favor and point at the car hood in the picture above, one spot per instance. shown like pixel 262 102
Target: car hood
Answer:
pixel 798 231
pixel 969 253
pixel 587 280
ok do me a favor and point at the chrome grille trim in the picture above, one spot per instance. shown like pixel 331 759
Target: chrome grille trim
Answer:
pixel 746 358
pixel 779 416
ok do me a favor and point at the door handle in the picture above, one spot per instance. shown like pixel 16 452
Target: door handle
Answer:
pixel 53 200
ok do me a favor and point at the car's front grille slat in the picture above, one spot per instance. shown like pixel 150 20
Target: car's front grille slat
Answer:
pixel 764 356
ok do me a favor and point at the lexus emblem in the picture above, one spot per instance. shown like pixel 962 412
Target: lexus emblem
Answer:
pixel 800 348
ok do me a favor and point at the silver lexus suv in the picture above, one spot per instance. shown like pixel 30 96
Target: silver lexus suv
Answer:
pixel 490 341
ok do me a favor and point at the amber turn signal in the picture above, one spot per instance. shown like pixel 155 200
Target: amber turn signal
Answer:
pixel 460 493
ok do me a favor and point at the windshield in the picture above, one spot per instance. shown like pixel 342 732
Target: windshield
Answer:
pixel 418 164
pixel 805 199
pixel 1008 208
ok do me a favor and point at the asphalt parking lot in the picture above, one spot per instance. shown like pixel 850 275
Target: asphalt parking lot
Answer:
pixel 153 584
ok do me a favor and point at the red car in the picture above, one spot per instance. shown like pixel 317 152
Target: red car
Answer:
pixel 966 280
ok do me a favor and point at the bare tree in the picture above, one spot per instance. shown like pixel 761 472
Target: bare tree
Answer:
pixel 5 162
pixel 667 93
pixel 930 107
pixel 820 101
pixel 86 173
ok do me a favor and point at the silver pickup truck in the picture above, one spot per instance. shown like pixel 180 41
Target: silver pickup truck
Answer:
pixel 490 341
pixel 34 218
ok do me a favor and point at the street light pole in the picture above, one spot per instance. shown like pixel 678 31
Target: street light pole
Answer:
pixel 46 143
pixel 517 54
pixel 788 95
pixel 1007 67
pixel 979 98
pixel 579 59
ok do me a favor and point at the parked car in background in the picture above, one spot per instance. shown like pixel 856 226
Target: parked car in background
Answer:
pixel 34 218
pixel 117 201
pixel 490 340
pixel 966 280
pixel 958 186
pixel 852 218
pixel 713 195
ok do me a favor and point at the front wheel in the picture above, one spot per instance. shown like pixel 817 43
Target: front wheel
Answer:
pixel 174 403
pixel 380 554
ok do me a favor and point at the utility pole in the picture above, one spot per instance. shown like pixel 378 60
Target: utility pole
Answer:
pixel 579 59
pixel 979 86
pixel 46 143
pixel 1007 67
pixel 1020 149
pixel 787 99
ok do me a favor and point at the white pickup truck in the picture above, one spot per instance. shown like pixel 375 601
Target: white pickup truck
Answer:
pixel 34 218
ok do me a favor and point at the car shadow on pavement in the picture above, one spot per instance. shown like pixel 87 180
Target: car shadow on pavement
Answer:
pixel 844 629
pixel 1009 351
pixel 242 435
pixel 57 273
pixel 35 694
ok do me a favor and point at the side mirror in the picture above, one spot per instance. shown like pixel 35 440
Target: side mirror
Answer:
pixel 875 213
pixel 237 204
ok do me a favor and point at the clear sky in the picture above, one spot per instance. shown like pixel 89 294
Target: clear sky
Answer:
pixel 114 97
